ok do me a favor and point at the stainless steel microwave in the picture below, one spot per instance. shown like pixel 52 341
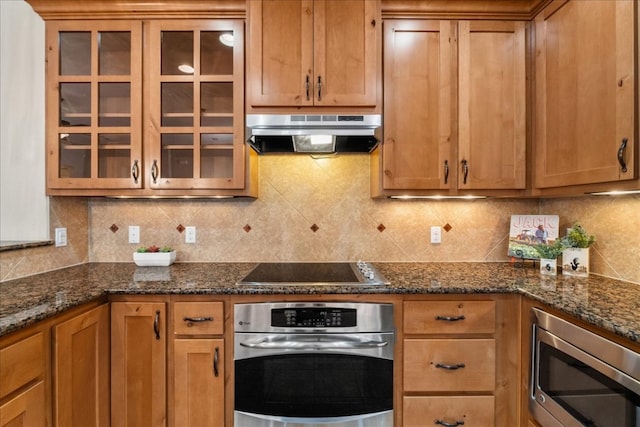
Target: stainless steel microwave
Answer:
pixel 579 378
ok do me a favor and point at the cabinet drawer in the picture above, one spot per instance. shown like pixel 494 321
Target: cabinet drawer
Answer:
pixel 449 317
pixel 449 365
pixel 198 318
pixel 454 410
pixel 21 363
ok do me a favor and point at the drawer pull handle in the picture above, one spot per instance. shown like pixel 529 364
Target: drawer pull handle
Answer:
pixel 450 318
pixel 446 424
pixel 216 358
pixel 623 146
pixel 198 319
pixel 450 367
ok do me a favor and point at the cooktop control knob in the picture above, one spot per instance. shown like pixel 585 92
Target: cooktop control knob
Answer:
pixel 365 270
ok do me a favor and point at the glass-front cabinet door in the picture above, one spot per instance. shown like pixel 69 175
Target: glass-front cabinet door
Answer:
pixel 94 107
pixel 194 136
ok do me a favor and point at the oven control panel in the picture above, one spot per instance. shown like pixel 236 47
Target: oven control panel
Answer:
pixel 314 317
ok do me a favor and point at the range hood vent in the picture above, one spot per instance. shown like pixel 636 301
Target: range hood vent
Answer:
pixel 313 133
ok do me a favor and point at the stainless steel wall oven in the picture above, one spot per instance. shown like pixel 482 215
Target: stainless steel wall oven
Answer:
pixel 579 378
pixel 313 364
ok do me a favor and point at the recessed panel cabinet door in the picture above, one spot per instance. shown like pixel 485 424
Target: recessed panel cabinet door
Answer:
pixel 81 370
pixel 417 105
pixel 491 105
pixel 198 382
pixel 138 368
pixel 585 86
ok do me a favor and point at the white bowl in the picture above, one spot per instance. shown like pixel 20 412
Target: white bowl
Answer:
pixel 154 259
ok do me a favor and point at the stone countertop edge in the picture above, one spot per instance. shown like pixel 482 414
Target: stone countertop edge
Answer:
pixel 607 303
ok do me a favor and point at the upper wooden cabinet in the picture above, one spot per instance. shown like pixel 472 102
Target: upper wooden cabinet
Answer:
pixel 179 131
pixel 585 89
pixel 313 52
pixel 454 107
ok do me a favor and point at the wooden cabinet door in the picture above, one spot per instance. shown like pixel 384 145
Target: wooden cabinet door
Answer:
pixel 280 52
pixel 416 150
pixel 313 52
pixel 26 409
pixel 346 44
pixel 198 372
pixel 94 104
pixel 138 364
pixel 195 137
pixel 491 105
pixel 81 370
pixel 584 92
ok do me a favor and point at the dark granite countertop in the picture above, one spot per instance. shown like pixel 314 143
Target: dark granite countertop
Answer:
pixel 610 304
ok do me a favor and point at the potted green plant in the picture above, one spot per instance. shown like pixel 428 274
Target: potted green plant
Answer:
pixel 548 256
pixel 575 258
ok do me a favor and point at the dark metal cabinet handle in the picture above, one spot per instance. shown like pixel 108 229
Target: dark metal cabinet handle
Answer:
pixel 216 359
pixel 465 170
pixel 135 171
pixel 198 319
pixel 450 318
pixel 319 88
pixel 156 324
pixel 154 171
pixel 446 171
pixel 621 150
pixel 446 424
pixel 450 367
pixel 307 85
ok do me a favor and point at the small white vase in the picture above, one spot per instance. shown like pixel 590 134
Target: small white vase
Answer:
pixel 548 267
pixel 575 262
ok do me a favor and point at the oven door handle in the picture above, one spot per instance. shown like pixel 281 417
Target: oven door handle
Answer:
pixel 311 342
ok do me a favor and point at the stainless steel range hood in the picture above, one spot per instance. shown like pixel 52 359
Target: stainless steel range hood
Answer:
pixel 313 133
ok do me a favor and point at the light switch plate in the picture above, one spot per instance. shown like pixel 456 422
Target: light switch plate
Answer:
pixel 436 235
pixel 190 234
pixel 134 234
pixel 61 237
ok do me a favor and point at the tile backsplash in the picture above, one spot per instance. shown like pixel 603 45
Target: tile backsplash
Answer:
pixel 320 210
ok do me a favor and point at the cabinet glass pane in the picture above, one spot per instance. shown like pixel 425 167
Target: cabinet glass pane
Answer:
pixel 114 104
pixel 75 104
pixel 114 50
pixel 216 104
pixel 177 104
pixel 215 56
pixel 216 155
pixel 75 155
pixel 176 52
pixel 114 155
pixel 177 155
pixel 75 53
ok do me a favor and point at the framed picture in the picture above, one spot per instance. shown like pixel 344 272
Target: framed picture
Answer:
pixel 527 231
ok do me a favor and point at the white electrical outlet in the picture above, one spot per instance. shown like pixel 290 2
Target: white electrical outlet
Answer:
pixel 190 234
pixel 134 234
pixel 436 235
pixel 61 237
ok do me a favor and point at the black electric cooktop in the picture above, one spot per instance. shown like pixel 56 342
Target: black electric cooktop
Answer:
pixel 313 273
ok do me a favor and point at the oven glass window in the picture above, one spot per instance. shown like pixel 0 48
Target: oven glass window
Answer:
pixel 313 385
pixel 589 396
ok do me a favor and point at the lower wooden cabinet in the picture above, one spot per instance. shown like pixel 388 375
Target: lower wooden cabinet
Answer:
pixel 81 370
pixel 420 411
pixel 198 382
pixel 138 364
pixel 197 371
